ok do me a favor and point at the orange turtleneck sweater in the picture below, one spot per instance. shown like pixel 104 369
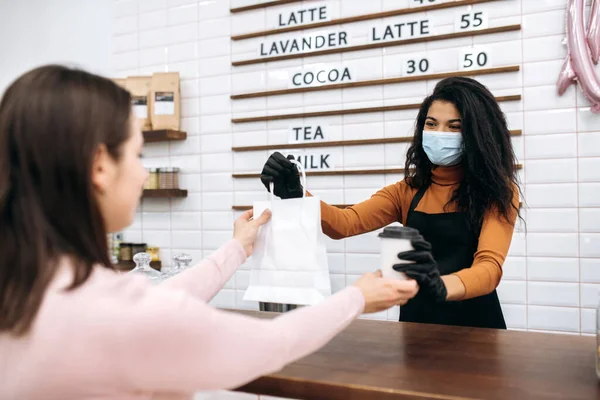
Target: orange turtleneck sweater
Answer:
pixel 391 204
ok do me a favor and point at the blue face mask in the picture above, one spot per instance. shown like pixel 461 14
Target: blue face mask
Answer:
pixel 443 148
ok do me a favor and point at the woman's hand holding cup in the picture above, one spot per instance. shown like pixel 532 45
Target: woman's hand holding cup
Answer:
pixel 382 293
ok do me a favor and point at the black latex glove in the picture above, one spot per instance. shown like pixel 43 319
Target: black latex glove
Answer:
pixel 284 175
pixel 424 270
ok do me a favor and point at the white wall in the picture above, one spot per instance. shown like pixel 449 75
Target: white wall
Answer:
pixel 36 32
pixel 552 275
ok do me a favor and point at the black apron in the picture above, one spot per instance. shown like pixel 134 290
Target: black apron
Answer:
pixel 453 247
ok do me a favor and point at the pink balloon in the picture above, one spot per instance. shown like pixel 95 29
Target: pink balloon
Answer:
pixel 593 35
pixel 578 65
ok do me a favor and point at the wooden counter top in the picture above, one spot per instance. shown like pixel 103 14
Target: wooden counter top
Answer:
pixel 379 360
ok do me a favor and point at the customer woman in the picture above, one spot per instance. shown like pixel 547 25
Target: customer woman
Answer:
pixel 459 191
pixel 71 327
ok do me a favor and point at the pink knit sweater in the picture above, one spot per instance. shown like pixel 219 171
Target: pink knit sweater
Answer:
pixel 119 337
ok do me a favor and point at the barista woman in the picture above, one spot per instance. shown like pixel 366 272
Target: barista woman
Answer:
pixel 459 191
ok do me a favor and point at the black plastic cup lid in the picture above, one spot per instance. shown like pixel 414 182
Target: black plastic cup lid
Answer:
pixel 399 232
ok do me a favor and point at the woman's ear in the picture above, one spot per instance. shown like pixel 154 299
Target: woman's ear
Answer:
pixel 103 167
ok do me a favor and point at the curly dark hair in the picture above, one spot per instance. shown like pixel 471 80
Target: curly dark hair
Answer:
pixel 489 163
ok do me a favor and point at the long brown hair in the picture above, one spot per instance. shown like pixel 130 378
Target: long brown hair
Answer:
pixel 489 163
pixel 52 121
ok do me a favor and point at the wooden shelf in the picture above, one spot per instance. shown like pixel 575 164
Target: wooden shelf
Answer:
pixel 334 173
pixel 399 107
pixel 262 5
pixel 164 135
pixel 129 265
pixel 342 206
pixel 244 208
pixel 164 193
pixel 380 45
pixel 358 18
pixel 342 172
pixel 308 145
pixel 359 142
pixel 376 82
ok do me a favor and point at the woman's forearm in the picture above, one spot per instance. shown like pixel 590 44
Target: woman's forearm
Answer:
pixel 205 279
pixel 455 288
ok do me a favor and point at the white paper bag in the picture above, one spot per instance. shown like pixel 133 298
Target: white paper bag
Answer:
pixel 289 264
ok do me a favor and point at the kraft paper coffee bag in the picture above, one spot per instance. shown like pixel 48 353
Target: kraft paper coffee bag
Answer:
pixel 165 100
pixel 139 87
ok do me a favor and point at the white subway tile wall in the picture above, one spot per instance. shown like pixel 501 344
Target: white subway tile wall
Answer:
pixel 552 273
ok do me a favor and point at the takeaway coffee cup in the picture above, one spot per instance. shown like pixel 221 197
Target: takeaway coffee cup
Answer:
pixel 394 240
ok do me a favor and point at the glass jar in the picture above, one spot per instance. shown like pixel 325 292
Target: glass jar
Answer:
pixel 138 248
pixel 175 178
pixel 125 252
pixel 184 260
pixel 168 178
pixel 181 262
pixel 152 181
pixel 142 266
pixel 117 238
pixel 110 244
pixel 154 252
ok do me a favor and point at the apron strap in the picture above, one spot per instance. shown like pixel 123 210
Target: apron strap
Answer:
pixel 417 198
